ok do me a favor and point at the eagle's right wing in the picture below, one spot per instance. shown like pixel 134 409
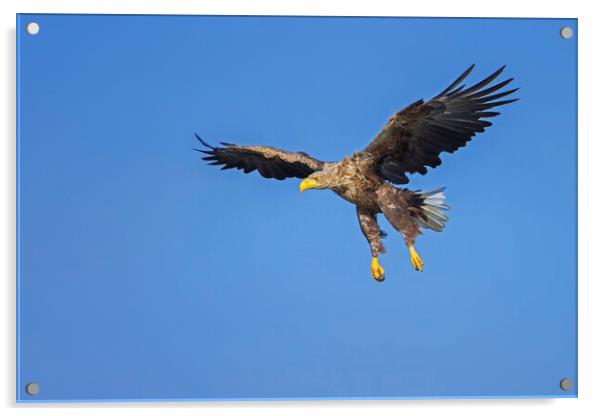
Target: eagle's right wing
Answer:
pixel 269 161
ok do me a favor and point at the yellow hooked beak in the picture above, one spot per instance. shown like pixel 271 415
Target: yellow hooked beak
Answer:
pixel 307 183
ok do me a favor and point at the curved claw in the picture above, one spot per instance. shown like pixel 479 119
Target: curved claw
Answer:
pixel 417 262
pixel 378 273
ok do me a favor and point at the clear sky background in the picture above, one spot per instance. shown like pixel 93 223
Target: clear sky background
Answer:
pixel 145 274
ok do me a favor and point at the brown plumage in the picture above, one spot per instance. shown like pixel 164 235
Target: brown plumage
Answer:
pixel 410 142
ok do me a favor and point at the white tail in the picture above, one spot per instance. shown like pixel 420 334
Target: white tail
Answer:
pixel 433 204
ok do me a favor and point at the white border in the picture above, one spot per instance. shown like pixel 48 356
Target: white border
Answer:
pixel 590 203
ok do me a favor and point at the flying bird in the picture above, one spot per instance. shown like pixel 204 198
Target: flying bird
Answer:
pixel 411 141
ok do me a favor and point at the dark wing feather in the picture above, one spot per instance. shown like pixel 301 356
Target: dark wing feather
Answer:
pixel 413 138
pixel 268 161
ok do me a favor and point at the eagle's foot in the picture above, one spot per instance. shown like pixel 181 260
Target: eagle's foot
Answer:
pixel 378 273
pixel 417 262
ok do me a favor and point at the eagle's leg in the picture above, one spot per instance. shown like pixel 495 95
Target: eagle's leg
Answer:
pixel 395 204
pixel 417 262
pixel 373 234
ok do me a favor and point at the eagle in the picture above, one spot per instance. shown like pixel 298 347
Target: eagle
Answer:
pixel 411 141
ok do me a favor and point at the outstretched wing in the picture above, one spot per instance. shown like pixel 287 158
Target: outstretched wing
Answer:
pixel 414 137
pixel 269 161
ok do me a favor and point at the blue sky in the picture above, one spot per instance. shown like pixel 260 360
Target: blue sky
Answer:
pixel 145 274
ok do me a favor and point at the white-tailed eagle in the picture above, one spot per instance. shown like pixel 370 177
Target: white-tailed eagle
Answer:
pixel 411 141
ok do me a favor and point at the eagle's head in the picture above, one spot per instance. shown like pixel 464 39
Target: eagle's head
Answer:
pixel 322 179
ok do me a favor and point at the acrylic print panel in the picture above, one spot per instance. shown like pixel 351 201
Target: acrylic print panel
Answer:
pixel 145 273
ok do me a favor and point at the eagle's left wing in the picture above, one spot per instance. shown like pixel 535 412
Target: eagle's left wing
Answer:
pixel 414 137
pixel 269 161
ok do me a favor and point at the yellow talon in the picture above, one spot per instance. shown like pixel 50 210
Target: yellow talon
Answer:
pixel 378 273
pixel 417 262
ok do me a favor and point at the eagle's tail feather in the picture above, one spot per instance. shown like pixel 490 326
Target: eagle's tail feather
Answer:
pixel 431 209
